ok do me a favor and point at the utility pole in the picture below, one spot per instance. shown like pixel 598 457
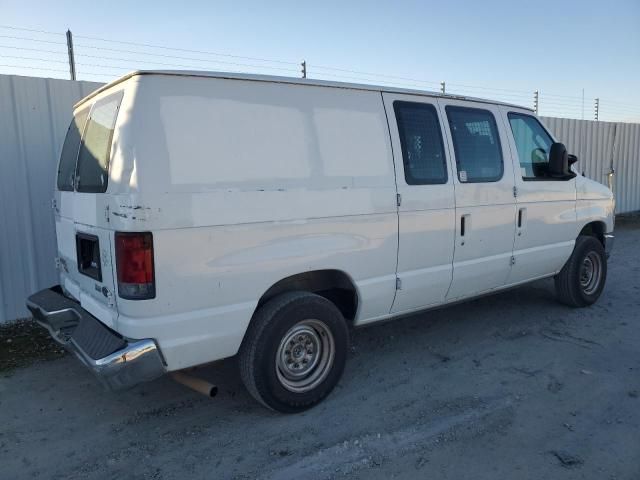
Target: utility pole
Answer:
pixel 535 102
pixel 597 108
pixel 304 69
pixel 442 87
pixel 72 61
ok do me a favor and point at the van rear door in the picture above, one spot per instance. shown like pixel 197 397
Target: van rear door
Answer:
pixel 85 242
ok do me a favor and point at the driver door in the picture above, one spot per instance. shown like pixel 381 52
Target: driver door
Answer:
pixel 545 207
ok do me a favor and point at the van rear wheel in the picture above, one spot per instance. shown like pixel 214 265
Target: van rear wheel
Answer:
pixel 294 351
pixel 582 279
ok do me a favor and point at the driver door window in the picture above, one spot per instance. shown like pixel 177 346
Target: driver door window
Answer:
pixel 533 144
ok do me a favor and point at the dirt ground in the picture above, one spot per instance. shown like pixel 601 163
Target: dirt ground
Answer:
pixel 24 342
pixel 512 386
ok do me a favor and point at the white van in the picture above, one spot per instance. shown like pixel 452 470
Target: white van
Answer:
pixel 205 215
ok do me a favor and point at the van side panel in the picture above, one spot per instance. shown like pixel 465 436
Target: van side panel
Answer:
pixel 242 184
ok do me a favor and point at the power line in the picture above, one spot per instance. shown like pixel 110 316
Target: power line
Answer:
pixel 39 50
pixel 14 57
pixel 547 101
pixel 182 65
pixel 33 68
pixel 166 65
pixel 560 96
pixel 367 79
pixel 489 92
pixel 147 45
pixel 32 39
pixel 528 92
pixel 9 27
pixel 620 105
pixel 371 74
pixel 132 52
pixel 562 105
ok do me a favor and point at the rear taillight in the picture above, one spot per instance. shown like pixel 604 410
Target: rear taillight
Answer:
pixel 134 265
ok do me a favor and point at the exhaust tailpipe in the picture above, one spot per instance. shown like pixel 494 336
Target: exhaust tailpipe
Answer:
pixel 197 384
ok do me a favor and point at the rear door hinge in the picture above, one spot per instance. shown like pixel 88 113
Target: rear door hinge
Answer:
pixel 398 199
pixel 512 261
pixel 54 205
pixel 106 213
pixel 515 191
pixel 398 283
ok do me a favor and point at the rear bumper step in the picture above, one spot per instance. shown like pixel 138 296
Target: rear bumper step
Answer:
pixel 118 362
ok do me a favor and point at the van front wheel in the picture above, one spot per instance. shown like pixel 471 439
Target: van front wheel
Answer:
pixel 294 351
pixel 581 280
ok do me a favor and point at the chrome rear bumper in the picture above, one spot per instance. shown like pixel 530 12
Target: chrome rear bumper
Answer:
pixel 118 362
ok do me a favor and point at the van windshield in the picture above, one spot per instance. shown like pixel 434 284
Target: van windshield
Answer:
pixel 95 149
pixel 69 155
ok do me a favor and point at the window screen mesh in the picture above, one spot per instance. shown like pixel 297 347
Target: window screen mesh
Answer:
pixel 476 144
pixel 421 141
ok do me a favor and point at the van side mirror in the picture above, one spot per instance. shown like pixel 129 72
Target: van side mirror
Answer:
pixel 559 161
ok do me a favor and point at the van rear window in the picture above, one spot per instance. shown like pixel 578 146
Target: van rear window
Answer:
pixel 421 142
pixel 69 155
pixel 95 149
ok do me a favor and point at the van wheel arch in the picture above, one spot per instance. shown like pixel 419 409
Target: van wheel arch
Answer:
pixel 334 285
pixel 595 229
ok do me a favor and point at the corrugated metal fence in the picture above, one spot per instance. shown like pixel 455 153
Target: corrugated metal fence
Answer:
pixel 34 116
pixel 35 113
pixel 603 147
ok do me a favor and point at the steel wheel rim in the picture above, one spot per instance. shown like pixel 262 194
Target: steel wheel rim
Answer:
pixel 590 273
pixel 305 356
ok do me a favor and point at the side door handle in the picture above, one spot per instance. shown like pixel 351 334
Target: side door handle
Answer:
pixel 522 220
pixel 465 227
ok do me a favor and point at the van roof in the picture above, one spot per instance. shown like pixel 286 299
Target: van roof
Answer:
pixel 293 81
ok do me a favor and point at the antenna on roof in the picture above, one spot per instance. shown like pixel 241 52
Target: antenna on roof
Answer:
pixel 442 87
pixel 304 69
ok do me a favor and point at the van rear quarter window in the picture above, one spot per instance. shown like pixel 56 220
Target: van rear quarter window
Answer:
pixel 69 155
pixel 93 160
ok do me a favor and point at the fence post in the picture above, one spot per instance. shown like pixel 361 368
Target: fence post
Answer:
pixel 442 87
pixel 304 69
pixel 597 108
pixel 535 102
pixel 72 61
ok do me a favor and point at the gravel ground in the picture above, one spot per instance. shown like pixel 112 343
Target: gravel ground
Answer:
pixel 23 342
pixel 508 386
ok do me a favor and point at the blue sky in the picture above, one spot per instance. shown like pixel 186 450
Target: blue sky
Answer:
pixel 503 49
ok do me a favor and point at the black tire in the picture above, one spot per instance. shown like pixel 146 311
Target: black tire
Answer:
pixel 264 349
pixel 572 286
